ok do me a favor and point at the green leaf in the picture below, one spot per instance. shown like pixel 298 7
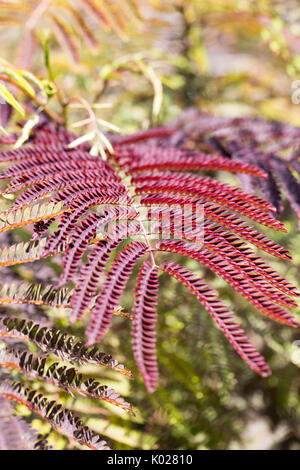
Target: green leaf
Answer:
pixel 9 98
pixel 3 131
pixel 18 77
pixel 47 57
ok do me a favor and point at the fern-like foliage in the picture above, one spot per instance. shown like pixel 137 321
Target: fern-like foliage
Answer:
pixel 102 204
pixel 17 434
pixel 68 378
pixel 65 347
pixel 68 21
pixel 59 417
pixel 271 145
pixel 143 328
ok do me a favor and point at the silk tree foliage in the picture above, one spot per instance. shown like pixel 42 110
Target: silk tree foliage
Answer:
pixel 69 23
pixel 43 366
pixel 63 196
pixel 53 181
pixel 272 146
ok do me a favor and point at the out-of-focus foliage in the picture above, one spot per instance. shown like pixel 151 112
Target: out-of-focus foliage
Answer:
pixel 235 58
pixel 68 22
